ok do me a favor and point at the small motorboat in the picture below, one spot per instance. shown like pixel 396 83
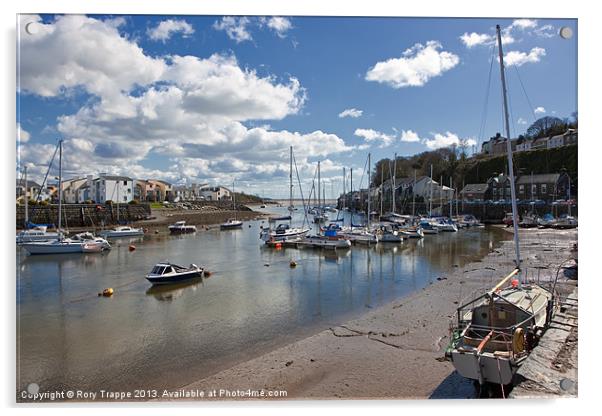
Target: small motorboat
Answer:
pixel 565 222
pixel 428 228
pixel 180 227
pixel 167 273
pixel 529 221
pixel 230 224
pixel 283 232
pixel 412 232
pixel 122 231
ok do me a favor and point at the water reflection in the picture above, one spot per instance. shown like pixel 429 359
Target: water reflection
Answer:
pixel 254 301
pixel 174 291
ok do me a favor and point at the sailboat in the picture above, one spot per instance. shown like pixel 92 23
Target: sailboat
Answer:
pixel 283 231
pixel 232 222
pixel 364 234
pixel 496 331
pixel 33 232
pixel 65 245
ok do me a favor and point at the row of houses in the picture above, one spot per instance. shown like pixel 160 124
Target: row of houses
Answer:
pixel 121 189
pixel 543 187
pixel 497 144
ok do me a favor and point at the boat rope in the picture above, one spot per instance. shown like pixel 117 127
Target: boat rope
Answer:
pixel 483 124
pixel 497 359
pixel 525 92
pixel 305 219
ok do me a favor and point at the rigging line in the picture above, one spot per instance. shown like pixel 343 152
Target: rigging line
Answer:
pixel 487 93
pixel 525 92
pixel 301 193
pixel 47 172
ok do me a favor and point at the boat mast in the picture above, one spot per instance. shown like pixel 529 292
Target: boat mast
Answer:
pixel 344 194
pixel 26 197
pixel 394 174
pixel 509 147
pixel 441 194
pixel 413 195
pixel 60 181
pixel 290 175
pixel 369 185
pixel 381 189
pixel 351 202
pixel 569 196
pixel 319 188
pixel 233 199
pixel 431 193
pixel 450 199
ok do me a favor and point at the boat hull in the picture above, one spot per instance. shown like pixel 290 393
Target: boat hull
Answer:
pixel 117 234
pixel 41 248
pixel 484 368
pixel 176 278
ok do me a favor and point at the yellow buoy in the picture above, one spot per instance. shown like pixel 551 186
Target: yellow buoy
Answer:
pixel 293 263
pixel 108 292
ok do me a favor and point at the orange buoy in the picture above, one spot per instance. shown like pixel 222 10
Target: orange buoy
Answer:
pixel 108 292
pixel 132 247
pixel 278 245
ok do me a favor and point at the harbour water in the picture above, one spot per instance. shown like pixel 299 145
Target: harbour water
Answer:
pixel 145 337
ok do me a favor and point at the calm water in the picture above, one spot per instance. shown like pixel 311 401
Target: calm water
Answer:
pixel 68 337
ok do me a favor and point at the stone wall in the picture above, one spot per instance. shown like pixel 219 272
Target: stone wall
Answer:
pixel 83 215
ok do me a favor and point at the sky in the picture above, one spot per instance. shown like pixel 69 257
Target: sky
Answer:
pixel 217 99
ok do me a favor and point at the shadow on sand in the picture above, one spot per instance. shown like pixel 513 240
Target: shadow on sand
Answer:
pixel 455 386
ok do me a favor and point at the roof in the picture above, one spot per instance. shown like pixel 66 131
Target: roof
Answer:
pixel 541 178
pixel 475 188
pixel 114 178
pixel 30 184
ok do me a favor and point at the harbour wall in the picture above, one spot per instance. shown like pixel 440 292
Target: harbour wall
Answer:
pixel 83 215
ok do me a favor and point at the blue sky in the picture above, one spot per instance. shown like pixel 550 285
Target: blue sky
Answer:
pixel 212 98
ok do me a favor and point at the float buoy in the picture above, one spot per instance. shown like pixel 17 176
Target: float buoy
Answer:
pixel 278 245
pixel 293 263
pixel 156 231
pixel 206 273
pixel 132 247
pixel 107 292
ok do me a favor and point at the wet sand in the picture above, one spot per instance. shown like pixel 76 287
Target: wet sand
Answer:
pixel 395 351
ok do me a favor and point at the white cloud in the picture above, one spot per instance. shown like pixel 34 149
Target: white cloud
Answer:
pixel 539 110
pixel 22 135
pixel 473 39
pixel 446 140
pixel 415 67
pixel 280 25
pixel 409 136
pixel 546 31
pixel 524 24
pixel 167 28
pixel 520 58
pixel 351 112
pixel 59 57
pixel 522 121
pixel 370 135
pixel 235 28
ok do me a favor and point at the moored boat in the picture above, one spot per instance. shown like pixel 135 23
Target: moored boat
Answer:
pixel 37 233
pixel 122 231
pixel 166 273
pixel 180 227
pixel 231 224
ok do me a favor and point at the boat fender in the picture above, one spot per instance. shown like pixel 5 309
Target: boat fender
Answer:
pixel 156 231
pixel 107 292
pixel 131 247
pixel 293 264
pixel 518 340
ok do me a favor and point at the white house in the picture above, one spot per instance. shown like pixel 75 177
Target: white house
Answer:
pixel 112 188
pixel 524 146
pixel 423 188
pixel 70 189
pixel 216 193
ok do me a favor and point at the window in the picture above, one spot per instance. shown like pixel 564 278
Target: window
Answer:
pixel 521 189
pixel 544 188
pixel 125 183
pixel 534 189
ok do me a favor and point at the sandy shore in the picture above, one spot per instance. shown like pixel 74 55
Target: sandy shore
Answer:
pixel 395 351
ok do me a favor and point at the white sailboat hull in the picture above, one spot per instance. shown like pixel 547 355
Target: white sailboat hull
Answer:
pixel 54 247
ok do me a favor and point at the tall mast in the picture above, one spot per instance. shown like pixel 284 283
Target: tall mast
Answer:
pixel 369 185
pixel 26 197
pixel 351 202
pixel 319 188
pixel 569 195
pixel 394 174
pixel 233 199
pixel 344 194
pixel 290 175
pixel 413 196
pixel 441 194
pixel 60 181
pixel 382 178
pixel 431 193
pixel 509 147
pixel 450 199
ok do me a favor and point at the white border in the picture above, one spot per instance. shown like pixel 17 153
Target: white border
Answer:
pixel 589 179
